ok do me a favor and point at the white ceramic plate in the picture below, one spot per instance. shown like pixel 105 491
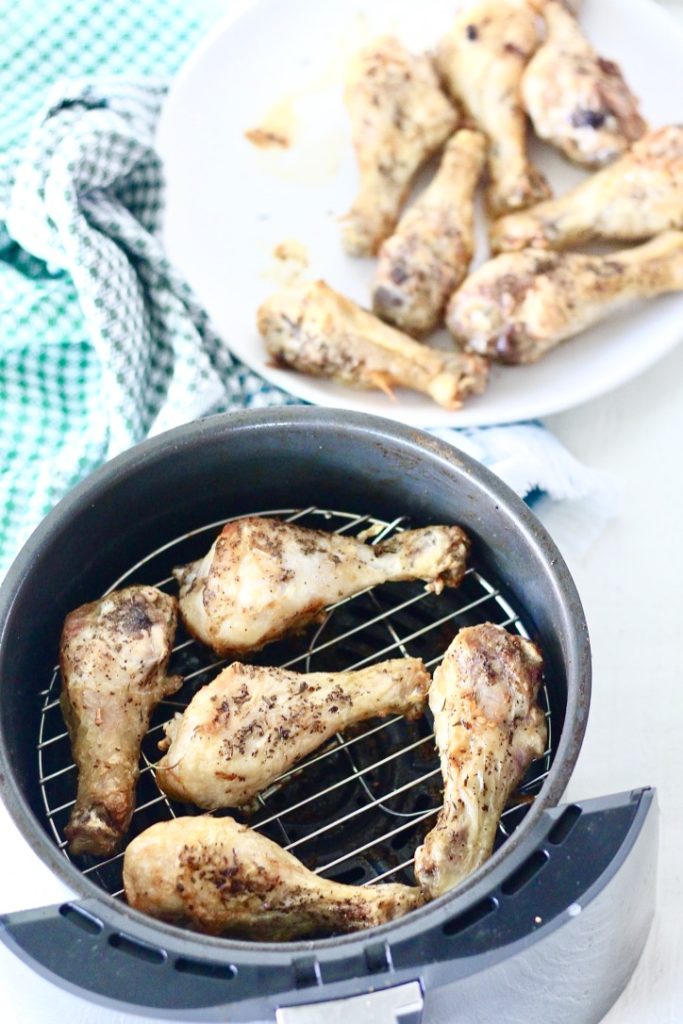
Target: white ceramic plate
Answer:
pixel 281 63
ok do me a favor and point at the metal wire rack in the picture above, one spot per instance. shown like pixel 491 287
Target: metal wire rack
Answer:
pixel 356 809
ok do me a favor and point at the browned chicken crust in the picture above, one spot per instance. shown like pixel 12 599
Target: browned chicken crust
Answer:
pixel 263 578
pixel 113 657
pixel 481 61
pixel 637 197
pixel 399 117
pixel 430 252
pixel 488 729
pixel 317 331
pixel 221 878
pixel 576 99
pixel 519 305
pixel 252 724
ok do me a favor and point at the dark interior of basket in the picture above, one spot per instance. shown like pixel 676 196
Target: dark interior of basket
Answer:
pixel 356 809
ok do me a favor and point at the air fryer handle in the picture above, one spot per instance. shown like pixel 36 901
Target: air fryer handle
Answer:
pixel 400 1004
pixel 569 915
pixel 69 944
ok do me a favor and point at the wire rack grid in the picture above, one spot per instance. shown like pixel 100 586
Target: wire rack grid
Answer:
pixel 356 809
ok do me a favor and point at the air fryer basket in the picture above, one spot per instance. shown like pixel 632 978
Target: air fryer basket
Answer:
pixel 360 806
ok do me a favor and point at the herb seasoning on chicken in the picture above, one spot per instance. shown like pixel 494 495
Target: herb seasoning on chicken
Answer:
pixel 251 724
pixel 221 878
pixel 481 61
pixel 399 117
pixel 637 197
pixel 113 656
pixel 263 578
pixel 318 331
pixel 430 252
pixel 516 307
pixel 576 99
pixel 488 728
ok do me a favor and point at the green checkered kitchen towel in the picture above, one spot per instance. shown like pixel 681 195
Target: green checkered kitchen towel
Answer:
pixel 101 343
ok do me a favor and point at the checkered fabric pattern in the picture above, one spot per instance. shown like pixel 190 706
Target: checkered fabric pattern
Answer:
pixel 101 343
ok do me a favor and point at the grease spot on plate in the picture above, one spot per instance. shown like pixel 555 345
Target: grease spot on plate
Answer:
pixel 291 261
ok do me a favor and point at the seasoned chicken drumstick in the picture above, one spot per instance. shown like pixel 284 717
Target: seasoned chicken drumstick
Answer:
pixel 113 657
pixel 251 724
pixel 221 878
pixel 431 250
pixel 315 330
pixel 399 117
pixel 519 305
pixel 263 578
pixel 576 99
pixel 488 730
pixel 637 197
pixel 481 61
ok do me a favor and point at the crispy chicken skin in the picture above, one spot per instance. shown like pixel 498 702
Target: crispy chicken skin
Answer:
pixel 488 730
pixel 521 304
pixel 317 331
pixel 430 252
pixel 252 724
pixel 263 578
pixel 222 878
pixel 635 198
pixel 576 99
pixel 399 117
pixel 481 61
pixel 113 658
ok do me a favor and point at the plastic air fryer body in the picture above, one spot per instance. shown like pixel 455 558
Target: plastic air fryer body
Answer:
pixel 551 938
pixel 548 931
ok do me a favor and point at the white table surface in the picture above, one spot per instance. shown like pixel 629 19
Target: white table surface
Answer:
pixel 631 583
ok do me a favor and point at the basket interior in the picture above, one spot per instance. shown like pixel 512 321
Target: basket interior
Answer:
pixel 357 808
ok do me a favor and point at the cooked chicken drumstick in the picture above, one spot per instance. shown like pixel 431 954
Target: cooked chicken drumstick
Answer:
pixel 263 578
pixel 482 60
pixel 247 727
pixel 113 657
pixel 431 250
pixel 399 117
pixel 315 330
pixel 637 197
pixel 221 878
pixel 488 730
pixel 519 305
pixel 577 100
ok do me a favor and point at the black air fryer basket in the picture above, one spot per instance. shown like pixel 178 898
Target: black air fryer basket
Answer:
pixel 548 930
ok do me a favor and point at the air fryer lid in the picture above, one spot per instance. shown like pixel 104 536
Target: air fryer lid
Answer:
pixel 281 460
